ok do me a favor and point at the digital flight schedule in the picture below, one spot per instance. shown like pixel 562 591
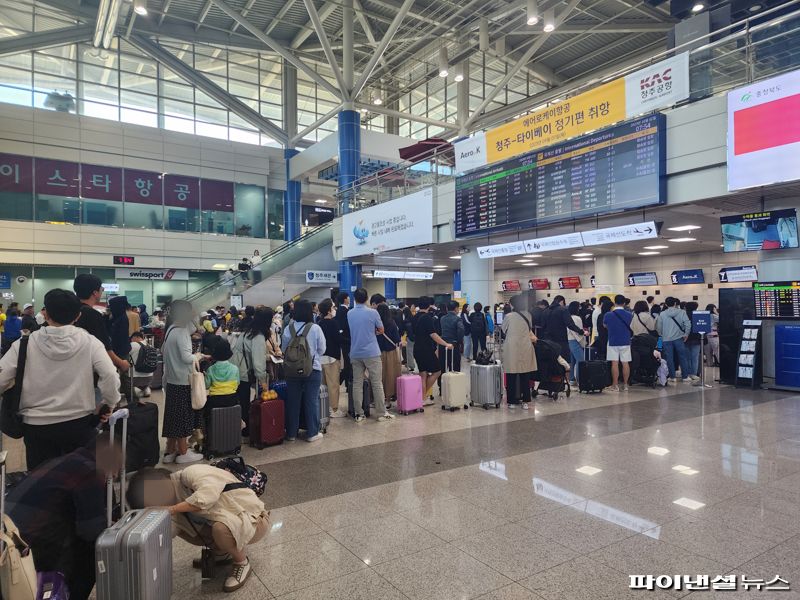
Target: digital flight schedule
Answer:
pixel 777 300
pixel 615 169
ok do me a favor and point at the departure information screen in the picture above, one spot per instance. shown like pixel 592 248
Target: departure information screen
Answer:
pixel 777 300
pixel 614 169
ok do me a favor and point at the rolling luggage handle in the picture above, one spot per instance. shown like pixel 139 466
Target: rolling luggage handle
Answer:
pixel 123 415
pixel 3 455
pixel 451 370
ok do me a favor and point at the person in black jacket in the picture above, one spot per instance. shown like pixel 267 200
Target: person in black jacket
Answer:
pixel 477 327
pixel 343 305
pixel 557 321
pixel 538 314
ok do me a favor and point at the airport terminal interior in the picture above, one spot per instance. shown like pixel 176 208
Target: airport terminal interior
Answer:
pixel 501 296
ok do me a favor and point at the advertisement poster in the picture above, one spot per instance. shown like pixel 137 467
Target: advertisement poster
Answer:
pixel 401 223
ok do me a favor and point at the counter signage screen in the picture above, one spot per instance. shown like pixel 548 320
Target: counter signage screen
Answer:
pixel 777 300
pixel 511 285
pixel 648 278
pixel 767 230
pixel 615 169
pixel 539 284
pixel 687 276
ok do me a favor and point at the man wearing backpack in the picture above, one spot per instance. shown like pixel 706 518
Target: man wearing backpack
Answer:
pixel 145 362
pixel 618 324
pixel 673 326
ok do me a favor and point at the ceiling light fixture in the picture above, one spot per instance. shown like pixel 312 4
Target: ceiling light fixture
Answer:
pixel 684 228
pixel 549 20
pixel 698 7
pixel 456 257
pixel 650 253
pixel 533 12
pixel 444 62
pixel 521 260
pixel 530 264
pixel 582 254
pixel 321 201
pixel 140 7
pixel 754 8
pixel 440 267
pixel 532 256
pixel 583 259
pixel 483 34
pixel 683 239
pixel 416 262
pixel 458 76
pixel 656 247
pixel 376 98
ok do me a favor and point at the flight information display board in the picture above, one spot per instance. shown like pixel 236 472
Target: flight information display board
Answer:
pixel 614 169
pixel 777 300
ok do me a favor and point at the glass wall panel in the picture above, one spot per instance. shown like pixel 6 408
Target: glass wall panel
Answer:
pixel 250 211
pixel 58 209
pixel 143 216
pixel 102 212
pixel 275 214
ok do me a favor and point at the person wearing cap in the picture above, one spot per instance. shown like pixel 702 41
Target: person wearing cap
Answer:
pixel 57 402
pixel 29 324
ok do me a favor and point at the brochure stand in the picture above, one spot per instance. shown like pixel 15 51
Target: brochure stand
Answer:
pixel 748 363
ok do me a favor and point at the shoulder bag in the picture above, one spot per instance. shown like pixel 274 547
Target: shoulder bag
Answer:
pixel 650 331
pixel 10 419
pixel 197 381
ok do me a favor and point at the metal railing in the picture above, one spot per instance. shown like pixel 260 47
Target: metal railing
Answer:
pixel 760 46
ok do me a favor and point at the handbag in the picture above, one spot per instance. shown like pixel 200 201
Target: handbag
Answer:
pixel 10 419
pixel 397 348
pixel 17 571
pixel 197 381
pixel 652 332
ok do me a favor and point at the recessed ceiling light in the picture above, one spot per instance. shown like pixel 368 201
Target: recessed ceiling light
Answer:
pixel 583 254
pixel 684 228
pixel 416 262
pixel 683 239
pixel 583 259
pixel 754 8
pixel 533 256
pixel 440 266
pixel 657 450
pixel 456 257
pixel 698 7
pixel 219 266
pixel 650 253
pixel 321 201
pixel 521 260
pixel 587 470
pixel 688 503
pixel 655 247
pixel 530 264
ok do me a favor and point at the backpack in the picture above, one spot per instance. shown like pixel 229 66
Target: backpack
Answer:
pixel 147 359
pixel 248 476
pixel 297 360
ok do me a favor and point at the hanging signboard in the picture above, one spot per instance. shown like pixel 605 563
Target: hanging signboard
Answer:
pixel 511 285
pixel 510 249
pixel 555 242
pixel 401 223
pixel 623 233
pixel 569 283
pixel 734 274
pixel 152 274
pixel 657 86
pixel 322 277
pixel 539 284
pixel 687 276
pixel 649 278
pixel 402 275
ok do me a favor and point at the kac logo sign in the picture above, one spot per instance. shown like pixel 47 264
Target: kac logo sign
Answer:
pixel 646 83
pixel 361 233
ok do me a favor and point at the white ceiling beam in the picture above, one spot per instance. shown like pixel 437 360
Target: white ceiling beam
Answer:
pixel 316 21
pixel 382 110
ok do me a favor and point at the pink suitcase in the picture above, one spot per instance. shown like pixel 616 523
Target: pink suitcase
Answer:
pixel 409 394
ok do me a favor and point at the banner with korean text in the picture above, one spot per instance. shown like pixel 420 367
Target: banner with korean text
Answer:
pixel 657 86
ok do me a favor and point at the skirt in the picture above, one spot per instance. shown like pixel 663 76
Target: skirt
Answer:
pixel 390 363
pixel 179 417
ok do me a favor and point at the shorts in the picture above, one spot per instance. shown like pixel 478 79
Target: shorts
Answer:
pixel 620 353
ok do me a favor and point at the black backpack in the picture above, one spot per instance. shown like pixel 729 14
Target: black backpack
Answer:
pixel 147 359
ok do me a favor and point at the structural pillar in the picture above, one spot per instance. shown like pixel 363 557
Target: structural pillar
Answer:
pixel 390 289
pixel 349 171
pixel 610 271
pixel 291 198
pixel 477 278
pixel 457 280
pixel 779 265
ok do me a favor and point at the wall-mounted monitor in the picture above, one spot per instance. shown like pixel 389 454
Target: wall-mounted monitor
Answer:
pixel 777 300
pixel 768 230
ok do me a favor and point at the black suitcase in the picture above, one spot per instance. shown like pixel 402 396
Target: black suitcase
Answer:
pixel 365 405
pixel 593 376
pixel 144 447
pixel 223 433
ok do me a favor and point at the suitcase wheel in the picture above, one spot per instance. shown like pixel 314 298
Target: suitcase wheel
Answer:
pixel 324 430
pixel 444 407
pixel 421 410
pixel 497 405
pixel 486 407
pixel 471 403
pixel 209 456
pixel 452 409
pixel 466 407
pixel 238 451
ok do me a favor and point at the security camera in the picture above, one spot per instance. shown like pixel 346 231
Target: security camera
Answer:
pixel 21 279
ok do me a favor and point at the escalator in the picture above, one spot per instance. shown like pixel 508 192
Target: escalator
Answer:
pixel 278 276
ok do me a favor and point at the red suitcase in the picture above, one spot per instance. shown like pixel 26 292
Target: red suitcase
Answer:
pixel 267 423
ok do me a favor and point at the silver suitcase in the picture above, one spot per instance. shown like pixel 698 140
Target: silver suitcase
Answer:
pixel 223 432
pixel 133 557
pixel 324 408
pixel 486 385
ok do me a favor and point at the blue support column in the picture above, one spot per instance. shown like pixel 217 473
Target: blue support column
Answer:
pixel 291 202
pixel 390 289
pixel 349 172
pixel 457 280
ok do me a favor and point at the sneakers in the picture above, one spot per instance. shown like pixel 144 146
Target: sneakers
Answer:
pixel 624 388
pixel 315 438
pixel 146 392
pixel 614 388
pixel 220 559
pixel 386 417
pixel 428 401
pixel 693 378
pixel 190 457
pixel 511 406
pixel 168 459
pixel 526 406
pixel 338 414
pixel 238 577
pixel 289 439
pixel 359 418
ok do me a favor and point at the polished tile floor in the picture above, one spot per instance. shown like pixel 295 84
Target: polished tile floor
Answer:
pixel 565 502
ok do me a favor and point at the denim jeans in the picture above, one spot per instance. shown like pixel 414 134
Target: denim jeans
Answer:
pixel 694 359
pixel 677 347
pixel 467 346
pixel 305 391
pixel 576 356
pixel 375 369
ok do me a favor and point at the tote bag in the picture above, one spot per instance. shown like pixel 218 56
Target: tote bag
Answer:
pixel 198 382
pixel 17 573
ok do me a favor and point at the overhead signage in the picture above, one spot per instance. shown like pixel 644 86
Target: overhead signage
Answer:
pixel 510 249
pixel 569 283
pixel 402 274
pixel 649 278
pixel 735 274
pixel 111 288
pixel 701 322
pixel 687 276
pixel 657 86
pixel 764 132
pixel 568 241
pixel 152 274
pixel 401 223
pixel 511 285
pixel 611 170
pixel 5 281
pixel 125 260
pixel 322 277
pixel 624 233
pixel 539 284
pixel 764 230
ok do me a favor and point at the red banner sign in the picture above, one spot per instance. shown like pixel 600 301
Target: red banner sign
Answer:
pixel 569 283
pixel 511 286
pixel 539 284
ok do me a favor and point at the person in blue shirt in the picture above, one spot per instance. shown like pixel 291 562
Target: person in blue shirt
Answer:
pixel 304 390
pixel 618 324
pixel 13 329
pixel 365 355
pixel 489 320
